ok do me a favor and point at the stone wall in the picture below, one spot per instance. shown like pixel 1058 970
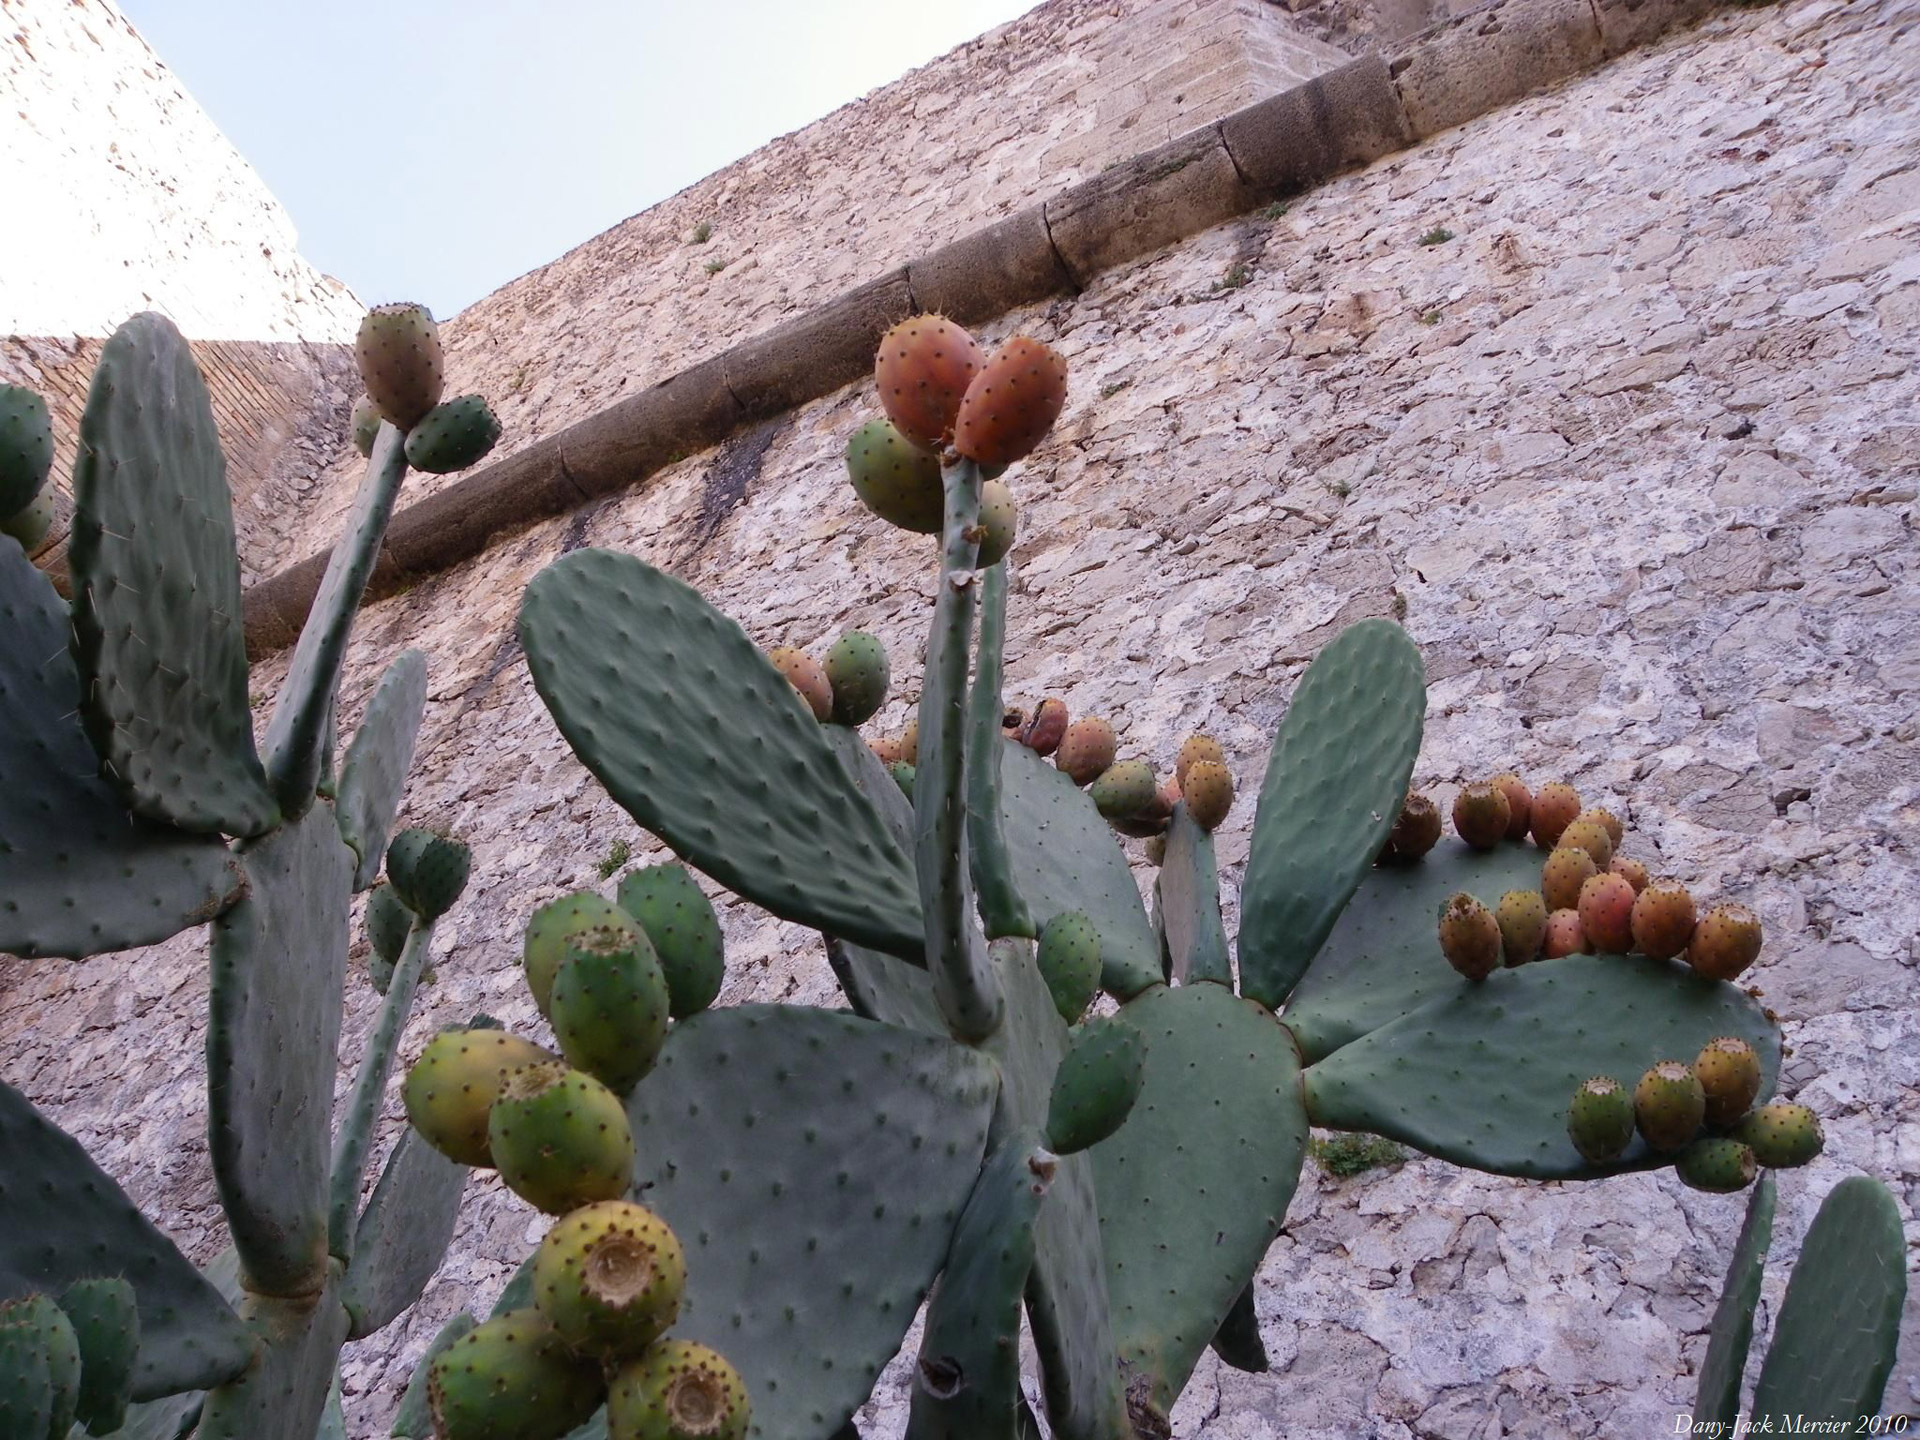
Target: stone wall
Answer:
pixel 1637 453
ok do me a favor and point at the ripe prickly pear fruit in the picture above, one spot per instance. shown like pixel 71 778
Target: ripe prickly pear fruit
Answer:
pixel 678 1390
pixel 1012 403
pixel 1600 1120
pixel 808 677
pixel 1194 749
pixel 398 349
pixel 454 1083
pixel 388 921
pixel 1729 1073
pixel 1481 812
pixel 895 478
pixel 512 1378
pixel 1555 806
pixel 37 1338
pixel 1781 1135
pixel 999 520
pixel 452 436
pixel 32 525
pixel 609 1006
pixel 609 1278
pixel 106 1326
pixel 1564 936
pixel 1566 870
pixel 903 774
pixel 1470 937
pixel 1416 831
pixel 1045 727
pixel 670 906
pixel 1069 961
pixel 885 748
pixel 559 1138
pixel 428 870
pixel 1590 836
pixel 910 742
pixel 1209 793
pixel 1519 803
pixel 1523 925
pixel 1716 1164
pixel 1629 870
pixel 1086 750
pixel 1606 913
pixel 553 925
pixel 1096 1084
pixel 366 426
pixel 1669 1105
pixel 857 675
pixel 1606 820
pixel 26 447
pixel 923 368
pixel 1662 919
pixel 1151 819
pixel 1124 788
pixel 1725 942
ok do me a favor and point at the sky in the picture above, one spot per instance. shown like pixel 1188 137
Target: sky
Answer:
pixel 431 150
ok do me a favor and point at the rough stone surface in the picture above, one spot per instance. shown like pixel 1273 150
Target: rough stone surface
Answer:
pixel 1638 451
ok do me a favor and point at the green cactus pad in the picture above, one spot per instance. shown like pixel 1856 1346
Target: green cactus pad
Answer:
pixel 667 902
pixel 813 1164
pixel 428 871
pixel 26 447
pixel 1065 858
pixel 879 987
pixel 1237 1342
pixel 278 967
pixel 1095 1088
pixel 875 780
pixel 374 775
pixel 1383 960
pixel 453 435
pixel 511 1379
pixel 1839 1326
pixel 966 1385
pixel 1718 1395
pixel 1481 1077
pixel 1194 1186
pixel 1003 909
pixel 609 1007
pixel 37 1340
pixel 62 1220
pixel 1189 912
pixel 1333 789
pixel 106 1324
pixel 82 877
pixel 403 1233
pixel 413 1420
pixel 157 628
pixel 285 1393
pixel 694 732
pixel 26 1383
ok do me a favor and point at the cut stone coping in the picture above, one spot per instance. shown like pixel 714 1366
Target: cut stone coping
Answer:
pixel 1277 147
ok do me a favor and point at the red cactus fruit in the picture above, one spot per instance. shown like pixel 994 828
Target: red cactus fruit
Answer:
pixel 1470 937
pixel 1519 803
pixel 910 743
pixel 1725 942
pixel 1562 876
pixel 1606 912
pixel 1629 870
pixel 1011 403
pixel 1565 936
pixel 1193 748
pixel 1609 821
pixel 1416 831
pixel 1523 925
pixel 1555 807
pixel 1481 813
pixel 1590 836
pixel 1662 920
pixel 808 676
pixel 923 368
pixel 1086 750
pixel 1208 789
pixel 886 749
pixel 1045 727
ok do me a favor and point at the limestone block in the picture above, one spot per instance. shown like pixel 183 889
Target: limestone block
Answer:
pixel 612 448
pixel 1627 23
pixel 1333 122
pixel 1492 56
pixel 818 351
pixel 1144 203
pixel 460 521
pixel 1007 264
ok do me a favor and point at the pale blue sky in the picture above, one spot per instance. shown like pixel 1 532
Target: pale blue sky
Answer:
pixel 432 151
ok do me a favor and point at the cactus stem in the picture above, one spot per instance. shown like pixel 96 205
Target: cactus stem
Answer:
pixel 1003 909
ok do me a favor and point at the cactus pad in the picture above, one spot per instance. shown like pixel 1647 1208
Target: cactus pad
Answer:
pixel 286 1391
pixel 106 1325
pixel 37 1345
pixel 403 1233
pixel 374 776
pixel 1718 1394
pixel 1098 1081
pixel 428 870
pixel 879 987
pixel 1189 909
pixel 26 447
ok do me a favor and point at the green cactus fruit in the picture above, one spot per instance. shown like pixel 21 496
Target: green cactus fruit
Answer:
pixel 1729 1073
pixel 1522 915
pixel 1606 820
pixel 398 349
pixel 1011 404
pixel 1566 870
pixel 903 774
pixel 1590 836
pixel 1600 1120
pixel 26 447
pixel 1669 1105
pixel 678 1390
pixel 1519 803
pixel 1209 793
pixel 453 1085
pixel 366 426
pixel 1045 727
pixel 559 1138
pixel 857 674
pixel 1124 788
pixel 556 923
pixel 1725 943
pixel 1606 912
pixel 609 1277
pixel 1069 961
pixel 1000 519
pixel 1469 937
pixel 923 367
pixel 32 525
pixel 34 1326
pixel 1481 813
pixel 609 1006
pixel 428 870
pixel 388 921
pixel 452 436
pixel 1555 806
pixel 1193 750
pixel 1564 936
pixel 1416 831
pixel 1096 1084
pixel 669 905
pixel 1716 1164
pixel 512 1378
pixel 895 478
pixel 106 1325
pixel 808 678
pixel 1662 917
pixel 1629 870
pixel 1782 1135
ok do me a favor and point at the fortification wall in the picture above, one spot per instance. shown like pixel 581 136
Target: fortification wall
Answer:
pixel 1638 453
